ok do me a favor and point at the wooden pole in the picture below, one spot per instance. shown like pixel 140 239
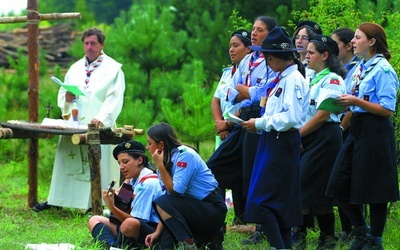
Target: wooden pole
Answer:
pixel 33 94
pixel 52 16
pixel 93 141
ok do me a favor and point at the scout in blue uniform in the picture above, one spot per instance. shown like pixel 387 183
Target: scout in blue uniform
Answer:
pixel 233 161
pixel 343 37
pixel 239 47
pixel 365 171
pixel 274 199
pixel 142 219
pixel 321 139
pixel 193 211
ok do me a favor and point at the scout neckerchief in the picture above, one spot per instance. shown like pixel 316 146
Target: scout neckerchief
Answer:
pixel 270 87
pixel 91 67
pixel 233 70
pixel 319 76
pixel 253 65
pixel 360 76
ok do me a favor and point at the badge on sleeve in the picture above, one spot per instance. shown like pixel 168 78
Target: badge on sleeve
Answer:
pixel 335 81
pixel 181 164
pixel 278 92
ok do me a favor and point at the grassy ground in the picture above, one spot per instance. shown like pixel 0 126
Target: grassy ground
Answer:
pixel 19 225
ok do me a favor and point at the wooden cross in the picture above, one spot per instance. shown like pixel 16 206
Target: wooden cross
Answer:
pixel 33 18
pixel 48 109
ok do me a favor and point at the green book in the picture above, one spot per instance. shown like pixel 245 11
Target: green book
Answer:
pixel 68 87
pixel 327 101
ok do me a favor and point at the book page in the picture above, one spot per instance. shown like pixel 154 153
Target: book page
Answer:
pixel 232 118
pixel 327 100
pixel 70 88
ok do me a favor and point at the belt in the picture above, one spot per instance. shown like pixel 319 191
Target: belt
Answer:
pixel 253 107
pixel 212 193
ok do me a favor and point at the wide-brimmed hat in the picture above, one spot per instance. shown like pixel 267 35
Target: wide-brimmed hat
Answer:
pixel 277 41
pixel 328 42
pixel 310 24
pixel 129 146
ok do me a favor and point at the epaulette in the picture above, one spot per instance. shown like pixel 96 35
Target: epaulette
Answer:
pixel 182 148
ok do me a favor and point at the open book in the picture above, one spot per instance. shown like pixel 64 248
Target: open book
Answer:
pixel 68 87
pixel 327 100
pixel 232 118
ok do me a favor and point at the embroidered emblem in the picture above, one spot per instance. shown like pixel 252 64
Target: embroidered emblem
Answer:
pixel 335 81
pixel 284 45
pixel 278 92
pixel 128 145
pixel 181 164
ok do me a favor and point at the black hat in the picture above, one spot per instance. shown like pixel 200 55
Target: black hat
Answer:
pixel 310 24
pixel 277 40
pixel 129 146
pixel 328 42
pixel 244 34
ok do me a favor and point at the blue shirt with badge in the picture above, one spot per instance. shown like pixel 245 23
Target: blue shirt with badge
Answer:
pixel 331 81
pixel 375 81
pixel 350 68
pixel 222 90
pixel 190 175
pixel 260 76
pixel 145 191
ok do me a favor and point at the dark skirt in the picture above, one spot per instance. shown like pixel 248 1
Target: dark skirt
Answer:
pixel 198 217
pixel 232 162
pixel 274 192
pixel 319 153
pixel 365 171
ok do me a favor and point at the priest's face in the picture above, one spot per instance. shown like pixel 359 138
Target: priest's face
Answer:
pixel 92 47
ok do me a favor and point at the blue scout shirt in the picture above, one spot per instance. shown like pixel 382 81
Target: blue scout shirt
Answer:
pixel 145 190
pixel 259 77
pixel 190 175
pixel 330 81
pixel 379 85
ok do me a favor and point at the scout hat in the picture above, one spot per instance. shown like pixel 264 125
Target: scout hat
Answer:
pixel 310 24
pixel 328 42
pixel 277 41
pixel 129 146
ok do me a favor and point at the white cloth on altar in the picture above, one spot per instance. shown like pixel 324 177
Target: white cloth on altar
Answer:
pixel 103 100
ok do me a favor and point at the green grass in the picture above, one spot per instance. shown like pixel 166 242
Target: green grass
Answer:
pixel 19 225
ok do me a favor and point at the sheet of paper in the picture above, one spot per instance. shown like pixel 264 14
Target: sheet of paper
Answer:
pixel 70 88
pixel 232 118
pixel 327 101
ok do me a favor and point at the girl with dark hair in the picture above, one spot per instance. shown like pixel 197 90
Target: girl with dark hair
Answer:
pixel 232 162
pixel 343 37
pixel 321 139
pixel 274 194
pixel 365 171
pixel 142 219
pixel 302 35
pixel 239 47
pixel 193 211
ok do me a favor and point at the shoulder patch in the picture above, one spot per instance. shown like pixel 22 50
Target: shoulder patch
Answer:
pixel 181 164
pixel 386 69
pixel 334 81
